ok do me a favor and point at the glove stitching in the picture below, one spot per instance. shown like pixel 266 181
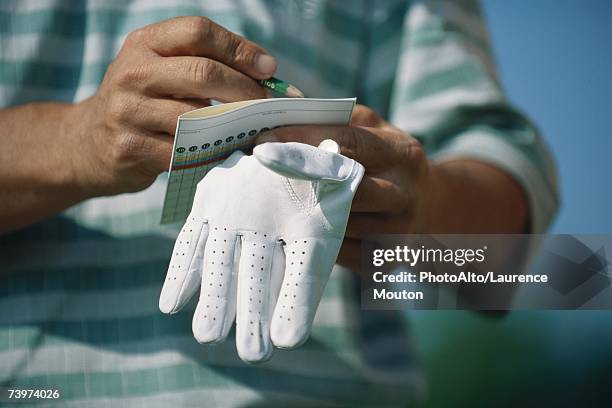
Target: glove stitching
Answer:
pixel 295 198
pixel 293 195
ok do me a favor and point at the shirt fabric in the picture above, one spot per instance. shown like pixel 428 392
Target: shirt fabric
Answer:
pixel 79 292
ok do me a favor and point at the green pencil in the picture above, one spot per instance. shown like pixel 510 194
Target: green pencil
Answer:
pixel 282 87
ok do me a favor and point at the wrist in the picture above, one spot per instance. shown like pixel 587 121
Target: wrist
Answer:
pixel 83 172
pixel 436 197
pixel 472 197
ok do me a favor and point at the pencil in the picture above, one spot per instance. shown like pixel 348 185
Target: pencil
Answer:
pixel 282 87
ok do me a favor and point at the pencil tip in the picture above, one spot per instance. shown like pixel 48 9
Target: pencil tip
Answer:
pixel 294 92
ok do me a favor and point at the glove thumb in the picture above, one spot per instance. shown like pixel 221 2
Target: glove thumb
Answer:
pixel 305 162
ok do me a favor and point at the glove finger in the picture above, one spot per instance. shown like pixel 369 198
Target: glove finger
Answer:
pixel 309 262
pixel 216 308
pixel 183 277
pixel 254 308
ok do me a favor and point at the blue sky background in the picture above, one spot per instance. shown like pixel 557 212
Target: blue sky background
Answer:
pixel 555 60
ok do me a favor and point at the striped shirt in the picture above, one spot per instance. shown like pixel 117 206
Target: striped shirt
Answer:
pixel 79 292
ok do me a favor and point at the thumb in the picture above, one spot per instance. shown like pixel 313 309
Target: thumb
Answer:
pixel 305 162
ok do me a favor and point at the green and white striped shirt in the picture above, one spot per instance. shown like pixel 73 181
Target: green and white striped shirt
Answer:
pixel 79 292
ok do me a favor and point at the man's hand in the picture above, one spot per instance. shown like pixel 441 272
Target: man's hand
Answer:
pixel 392 196
pixel 403 193
pixel 162 71
pixel 120 139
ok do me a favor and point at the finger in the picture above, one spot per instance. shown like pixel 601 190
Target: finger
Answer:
pixel 374 148
pixel 350 254
pixel 199 36
pixel 309 262
pixel 254 294
pixel 193 77
pixel 216 308
pixel 362 224
pixel 364 116
pixel 160 115
pixel 184 272
pixel 379 195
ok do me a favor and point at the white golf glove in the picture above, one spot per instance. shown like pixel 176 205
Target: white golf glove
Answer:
pixel 261 241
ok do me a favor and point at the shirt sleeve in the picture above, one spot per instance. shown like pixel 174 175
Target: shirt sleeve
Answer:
pixel 447 94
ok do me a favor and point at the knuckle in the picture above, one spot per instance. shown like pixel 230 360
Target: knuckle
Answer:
pixel 199 28
pixel 131 76
pixel 137 36
pixel 371 116
pixel 412 153
pixel 130 149
pixel 119 109
pixel 416 153
pixel 365 116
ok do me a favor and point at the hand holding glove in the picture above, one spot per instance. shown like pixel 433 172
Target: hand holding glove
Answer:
pixel 260 243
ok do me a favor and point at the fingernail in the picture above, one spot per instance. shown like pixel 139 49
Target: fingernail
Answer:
pixel 265 64
pixel 267 137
